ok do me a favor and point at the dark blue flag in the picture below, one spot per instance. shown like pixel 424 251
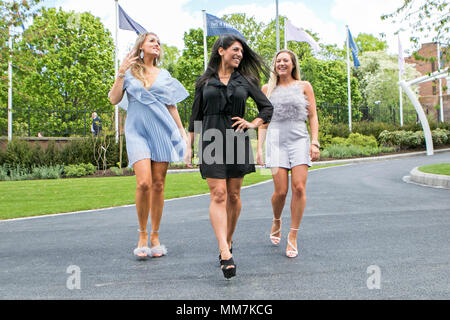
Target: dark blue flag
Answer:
pixel 126 23
pixel 217 27
pixel 354 48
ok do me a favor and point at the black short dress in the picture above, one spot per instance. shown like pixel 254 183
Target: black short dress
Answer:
pixel 223 152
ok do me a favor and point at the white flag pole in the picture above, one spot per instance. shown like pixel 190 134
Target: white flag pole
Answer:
pixel 285 33
pixel 401 99
pixel 441 103
pixel 278 27
pixel 349 83
pixel 116 67
pixel 205 42
pixel 400 48
pixel 10 97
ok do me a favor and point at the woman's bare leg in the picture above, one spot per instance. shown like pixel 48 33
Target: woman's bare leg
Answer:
pixel 234 206
pixel 218 214
pixel 159 171
pixel 281 186
pixel 299 176
pixel 143 173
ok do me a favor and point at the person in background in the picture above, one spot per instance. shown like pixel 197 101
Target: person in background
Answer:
pixel 96 125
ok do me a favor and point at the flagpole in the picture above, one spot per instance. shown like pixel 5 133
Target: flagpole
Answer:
pixel 441 105
pixel 205 42
pixel 278 27
pixel 285 33
pixel 116 61
pixel 10 97
pixel 116 67
pixel 349 83
pixel 400 90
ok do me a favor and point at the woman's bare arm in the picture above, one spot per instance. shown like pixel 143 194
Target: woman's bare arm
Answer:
pixel 116 93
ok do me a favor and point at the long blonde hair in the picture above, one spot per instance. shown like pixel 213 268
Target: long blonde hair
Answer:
pixel 274 78
pixel 138 69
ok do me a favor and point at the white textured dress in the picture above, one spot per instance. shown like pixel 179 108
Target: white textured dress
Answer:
pixel 287 140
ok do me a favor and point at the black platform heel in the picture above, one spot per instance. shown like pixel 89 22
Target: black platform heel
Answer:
pixel 228 272
pixel 231 251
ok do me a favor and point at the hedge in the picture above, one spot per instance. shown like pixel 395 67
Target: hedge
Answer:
pixel 86 150
pixel 411 139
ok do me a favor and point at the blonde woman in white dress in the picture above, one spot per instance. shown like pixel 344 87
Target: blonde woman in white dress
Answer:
pixel 289 146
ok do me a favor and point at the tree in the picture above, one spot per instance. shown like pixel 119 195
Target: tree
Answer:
pixel 12 13
pixel 426 18
pixel 247 26
pixel 190 65
pixel 72 59
pixel 333 52
pixel 368 42
pixel 329 81
pixel 170 57
pixel 378 78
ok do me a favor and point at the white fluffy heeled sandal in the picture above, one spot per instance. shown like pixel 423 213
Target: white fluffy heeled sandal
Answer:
pixel 142 250
pixel 158 251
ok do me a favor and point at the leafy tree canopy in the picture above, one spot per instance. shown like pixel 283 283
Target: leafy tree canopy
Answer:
pixel 368 42
pixel 426 18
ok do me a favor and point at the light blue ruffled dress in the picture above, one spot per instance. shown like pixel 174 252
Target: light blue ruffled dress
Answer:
pixel 150 130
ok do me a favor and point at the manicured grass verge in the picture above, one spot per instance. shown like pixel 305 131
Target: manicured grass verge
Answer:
pixel 39 197
pixel 442 168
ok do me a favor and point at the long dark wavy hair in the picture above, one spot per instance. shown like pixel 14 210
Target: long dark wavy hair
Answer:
pixel 251 66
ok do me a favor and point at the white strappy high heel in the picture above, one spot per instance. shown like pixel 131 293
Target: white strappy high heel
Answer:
pixel 291 253
pixel 276 240
pixel 145 250
pixel 158 251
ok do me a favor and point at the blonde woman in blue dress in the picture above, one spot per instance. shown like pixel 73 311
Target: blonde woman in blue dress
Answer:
pixel 289 146
pixel 153 130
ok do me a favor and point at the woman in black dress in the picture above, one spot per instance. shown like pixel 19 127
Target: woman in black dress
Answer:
pixel 225 151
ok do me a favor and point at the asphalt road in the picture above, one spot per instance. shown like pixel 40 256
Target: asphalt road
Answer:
pixel 366 234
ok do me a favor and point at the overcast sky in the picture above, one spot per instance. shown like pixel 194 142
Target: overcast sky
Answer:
pixel 171 18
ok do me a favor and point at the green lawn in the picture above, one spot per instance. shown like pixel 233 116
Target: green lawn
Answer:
pixel 40 197
pixel 442 168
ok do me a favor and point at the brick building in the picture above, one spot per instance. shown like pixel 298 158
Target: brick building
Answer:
pixel 429 91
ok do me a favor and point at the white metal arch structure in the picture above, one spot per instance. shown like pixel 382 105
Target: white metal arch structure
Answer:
pixel 406 86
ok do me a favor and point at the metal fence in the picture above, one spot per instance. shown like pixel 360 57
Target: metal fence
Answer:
pixel 386 114
pixel 32 121
pixel 52 122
